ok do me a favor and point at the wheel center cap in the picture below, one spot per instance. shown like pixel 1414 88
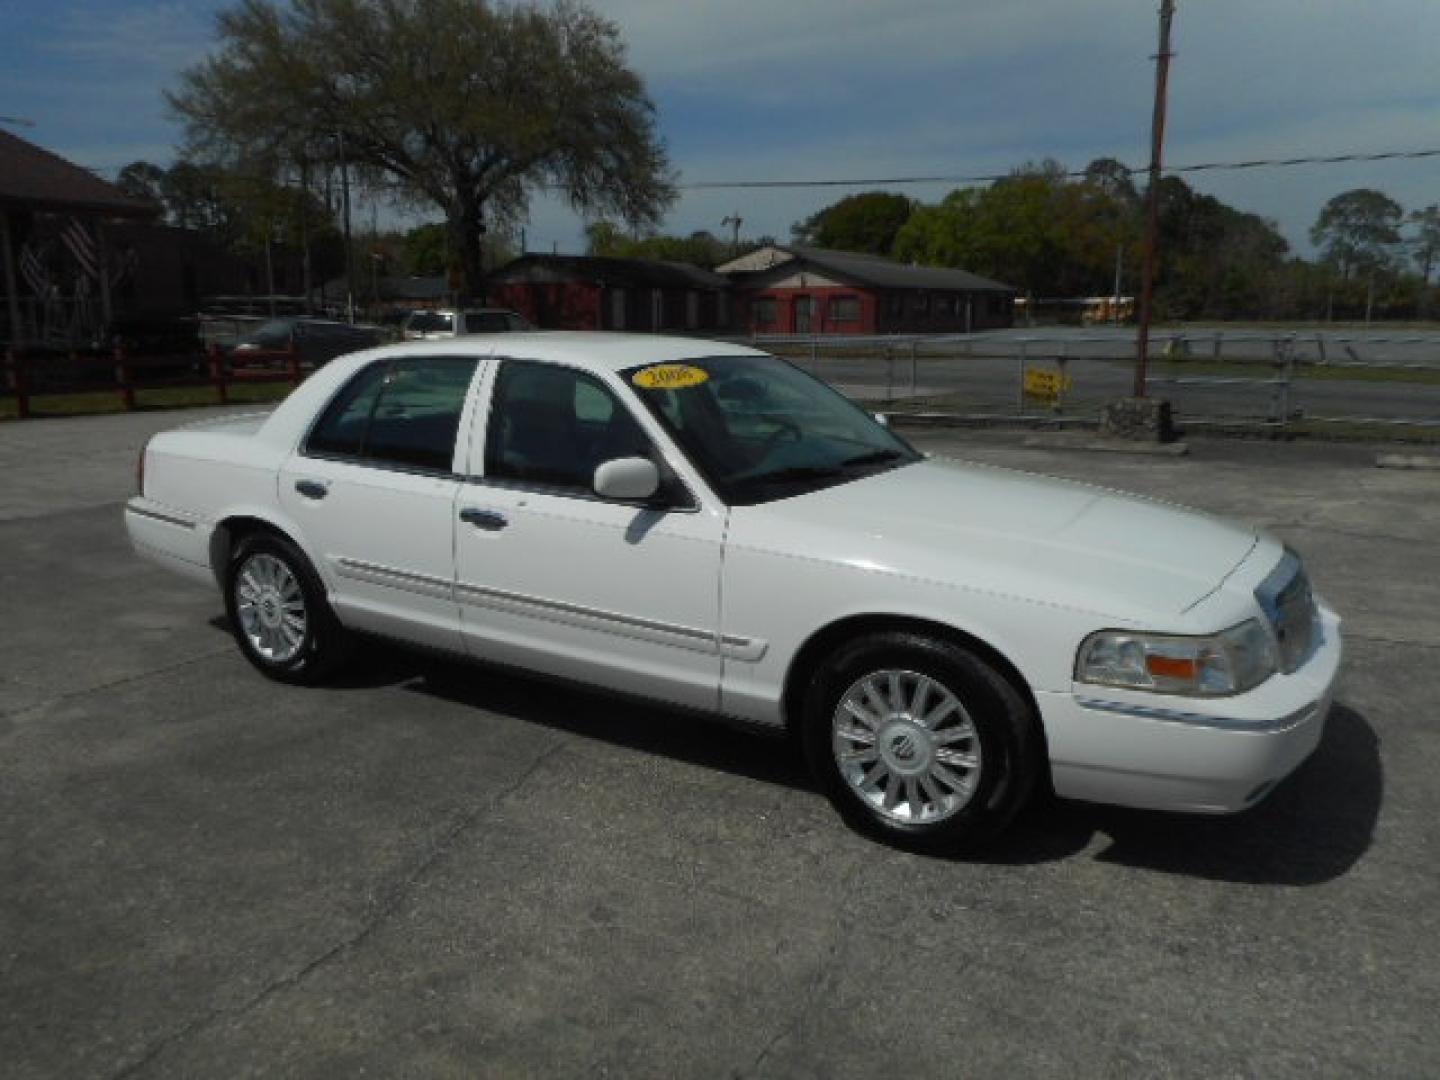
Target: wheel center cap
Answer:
pixel 906 747
pixel 270 609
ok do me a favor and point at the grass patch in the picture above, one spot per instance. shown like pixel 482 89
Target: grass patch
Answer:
pixel 96 402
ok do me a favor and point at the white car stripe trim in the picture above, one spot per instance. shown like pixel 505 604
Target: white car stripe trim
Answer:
pixel 731 645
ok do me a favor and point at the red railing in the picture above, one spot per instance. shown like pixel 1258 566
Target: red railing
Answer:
pixel 27 376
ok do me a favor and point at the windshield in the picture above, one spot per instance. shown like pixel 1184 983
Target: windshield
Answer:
pixel 431 322
pixel 761 429
pixel 273 332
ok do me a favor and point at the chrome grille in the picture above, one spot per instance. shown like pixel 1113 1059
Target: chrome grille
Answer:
pixel 1289 604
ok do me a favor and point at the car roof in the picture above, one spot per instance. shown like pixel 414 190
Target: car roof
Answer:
pixel 602 350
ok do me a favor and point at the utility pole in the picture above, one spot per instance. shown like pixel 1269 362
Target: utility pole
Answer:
pixel 1152 197
pixel 734 221
pixel 349 248
pixel 1119 262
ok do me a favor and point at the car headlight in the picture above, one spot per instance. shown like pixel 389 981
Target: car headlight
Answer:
pixel 1230 662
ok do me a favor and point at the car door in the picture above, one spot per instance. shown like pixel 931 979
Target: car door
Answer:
pixel 551 576
pixel 372 490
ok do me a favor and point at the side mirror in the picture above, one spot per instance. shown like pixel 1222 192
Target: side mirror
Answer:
pixel 627 479
pixel 881 419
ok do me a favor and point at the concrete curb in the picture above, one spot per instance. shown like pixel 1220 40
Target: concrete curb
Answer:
pixel 1076 440
pixel 1406 461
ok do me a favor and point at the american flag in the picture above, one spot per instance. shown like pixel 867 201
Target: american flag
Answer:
pixel 33 271
pixel 81 244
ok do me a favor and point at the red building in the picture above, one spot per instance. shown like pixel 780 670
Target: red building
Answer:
pixel 805 290
pixel 583 292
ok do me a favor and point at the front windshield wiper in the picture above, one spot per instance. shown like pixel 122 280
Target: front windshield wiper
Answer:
pixel 796 472
pixel 874 457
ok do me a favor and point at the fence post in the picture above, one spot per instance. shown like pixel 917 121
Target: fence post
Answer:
pixel 18 383
pixel 217 374
pixel 1061 361
pixel 913 362
pixel 1289 376
pixel 294 362
pixel 1020 386
pixel 889 373
pixel 1320 348
pixel 124 378
pixel 1218 347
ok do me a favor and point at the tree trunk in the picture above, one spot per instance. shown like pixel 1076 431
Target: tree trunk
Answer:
pixel 467 232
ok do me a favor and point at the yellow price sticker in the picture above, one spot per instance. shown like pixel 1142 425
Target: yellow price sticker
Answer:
pixel 669 377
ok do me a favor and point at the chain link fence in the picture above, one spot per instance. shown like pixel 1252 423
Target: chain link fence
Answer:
pixel 1264 379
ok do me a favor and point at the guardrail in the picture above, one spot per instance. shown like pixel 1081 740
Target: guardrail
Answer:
pixel 26 377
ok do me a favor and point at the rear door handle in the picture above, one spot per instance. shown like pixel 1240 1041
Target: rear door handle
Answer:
pixel 489 520
pixel 311 489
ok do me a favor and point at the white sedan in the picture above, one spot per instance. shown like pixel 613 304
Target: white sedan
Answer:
pixel 704 524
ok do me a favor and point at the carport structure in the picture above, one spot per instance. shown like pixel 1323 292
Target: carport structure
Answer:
pixel 56 263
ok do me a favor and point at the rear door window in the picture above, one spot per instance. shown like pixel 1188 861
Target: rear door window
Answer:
pixel 401 413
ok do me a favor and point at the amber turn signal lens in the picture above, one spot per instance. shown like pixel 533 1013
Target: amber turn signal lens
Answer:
pixel 1171 667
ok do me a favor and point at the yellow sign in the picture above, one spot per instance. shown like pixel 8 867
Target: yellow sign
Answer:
pixel 669 377
pixel 1044 383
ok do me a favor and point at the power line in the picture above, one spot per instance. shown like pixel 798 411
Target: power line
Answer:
pixel 986 178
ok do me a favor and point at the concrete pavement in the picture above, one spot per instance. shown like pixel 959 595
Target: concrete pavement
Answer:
pixel 433 870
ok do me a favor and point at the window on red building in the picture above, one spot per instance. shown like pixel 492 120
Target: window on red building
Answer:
pixel 762 311
pixel 844 309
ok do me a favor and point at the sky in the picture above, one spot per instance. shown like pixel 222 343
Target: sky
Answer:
pixel 868 89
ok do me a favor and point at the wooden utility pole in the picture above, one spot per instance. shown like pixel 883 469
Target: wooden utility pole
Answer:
pixel 1152 197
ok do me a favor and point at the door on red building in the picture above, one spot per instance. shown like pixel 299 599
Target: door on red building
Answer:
pixel 804 312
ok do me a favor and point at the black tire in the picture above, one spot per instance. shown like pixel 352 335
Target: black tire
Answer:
pixel 324 645
pixel 1005 744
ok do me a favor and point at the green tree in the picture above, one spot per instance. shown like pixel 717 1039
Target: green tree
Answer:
pixel 867 222
pixel 427 250
pixel 468 106
pixel 701 248
pixel 1355 229
pixel 1427 240
pixel 144 180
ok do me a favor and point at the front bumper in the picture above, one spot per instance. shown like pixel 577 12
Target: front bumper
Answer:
pixel 1209 756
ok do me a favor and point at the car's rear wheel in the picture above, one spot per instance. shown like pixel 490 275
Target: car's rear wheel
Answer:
pixel 278 612
pixel 920 742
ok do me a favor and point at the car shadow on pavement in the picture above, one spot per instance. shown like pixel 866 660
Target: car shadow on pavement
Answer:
pixel 695 738
pixel 1313 828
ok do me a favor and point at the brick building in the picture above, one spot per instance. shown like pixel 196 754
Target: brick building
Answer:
pixel 804 290
pixel 582 292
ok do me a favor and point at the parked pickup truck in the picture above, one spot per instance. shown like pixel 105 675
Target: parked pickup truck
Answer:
pixel 706 525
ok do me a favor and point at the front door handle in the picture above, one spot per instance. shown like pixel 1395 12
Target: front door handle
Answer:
pixel 311 489
pixel 489 520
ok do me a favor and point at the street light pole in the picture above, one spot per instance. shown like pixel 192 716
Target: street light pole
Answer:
pixel 1152 197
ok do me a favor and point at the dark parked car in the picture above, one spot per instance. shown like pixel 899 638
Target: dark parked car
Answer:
pixel 318 341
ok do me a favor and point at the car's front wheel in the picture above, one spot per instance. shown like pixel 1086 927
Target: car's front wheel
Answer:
pixel 278 612
pixel 920 742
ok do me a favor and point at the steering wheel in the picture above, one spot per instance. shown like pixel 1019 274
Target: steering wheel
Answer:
pixel 785 431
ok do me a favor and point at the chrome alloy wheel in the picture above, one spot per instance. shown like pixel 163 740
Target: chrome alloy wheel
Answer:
pixel 906 746
pixel 271 608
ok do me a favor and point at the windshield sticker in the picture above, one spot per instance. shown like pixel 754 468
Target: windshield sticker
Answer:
pixel 669 377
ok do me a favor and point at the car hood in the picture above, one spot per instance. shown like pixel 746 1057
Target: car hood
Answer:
pixel 998 530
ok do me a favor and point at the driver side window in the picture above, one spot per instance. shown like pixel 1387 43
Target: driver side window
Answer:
pixel 551 426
